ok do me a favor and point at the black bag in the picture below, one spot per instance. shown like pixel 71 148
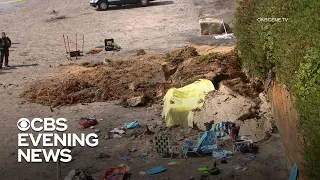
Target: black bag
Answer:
pixel 109 44
pixel 244 149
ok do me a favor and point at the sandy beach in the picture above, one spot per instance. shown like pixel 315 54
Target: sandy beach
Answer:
pixel 36 29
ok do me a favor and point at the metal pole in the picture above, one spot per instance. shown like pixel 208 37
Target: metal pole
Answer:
pixel 76 46
pixel 69 46
pixel 65 45
pixel 224 27
pixel 83 43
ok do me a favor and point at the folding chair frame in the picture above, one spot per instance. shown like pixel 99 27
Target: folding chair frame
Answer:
pixel 239 144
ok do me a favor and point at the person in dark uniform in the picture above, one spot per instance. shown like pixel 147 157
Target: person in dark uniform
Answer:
pixel 5 44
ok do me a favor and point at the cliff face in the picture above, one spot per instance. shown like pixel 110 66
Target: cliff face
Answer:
pixel 286 118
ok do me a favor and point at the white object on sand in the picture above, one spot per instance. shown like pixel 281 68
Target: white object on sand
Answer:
pixel 116 130
pixel 225 36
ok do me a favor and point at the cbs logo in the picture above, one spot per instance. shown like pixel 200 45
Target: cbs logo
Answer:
pixel 46 124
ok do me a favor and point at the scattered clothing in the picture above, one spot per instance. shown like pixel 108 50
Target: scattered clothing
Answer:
pixel 144 155
pixel 220 154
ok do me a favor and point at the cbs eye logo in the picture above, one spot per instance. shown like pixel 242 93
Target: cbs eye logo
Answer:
pixel 46 124
pixel 23 124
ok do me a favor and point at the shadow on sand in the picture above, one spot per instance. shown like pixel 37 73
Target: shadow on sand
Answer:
pixel 22 65
pixel 2 72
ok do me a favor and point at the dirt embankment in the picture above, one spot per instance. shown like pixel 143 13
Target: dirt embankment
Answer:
pixel 87 82
pixel 145 75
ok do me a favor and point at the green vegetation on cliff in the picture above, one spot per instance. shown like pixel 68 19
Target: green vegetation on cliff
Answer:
pixel 291 49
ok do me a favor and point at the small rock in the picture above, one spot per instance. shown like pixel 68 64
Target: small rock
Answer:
pixel 140 52
pixel 159 122
pixel 107 136
pixel 133 86
pixel 180 137
pixel 137 101
pixel 116 136
pixel 107 61
pixel 160 93
pixel 152 127
pixel 133 137
pixel 92 127
pixel 96 130
pixel 148 132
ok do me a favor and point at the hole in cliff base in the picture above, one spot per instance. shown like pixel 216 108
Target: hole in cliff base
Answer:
pixel 218 78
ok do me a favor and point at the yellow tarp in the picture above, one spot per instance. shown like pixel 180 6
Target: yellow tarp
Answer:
pixel 179 103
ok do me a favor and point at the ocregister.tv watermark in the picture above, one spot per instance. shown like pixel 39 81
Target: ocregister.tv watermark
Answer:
pixel 49 133
pixel 272 19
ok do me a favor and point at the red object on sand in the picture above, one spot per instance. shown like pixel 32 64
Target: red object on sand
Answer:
pixel 87 123
pixel 115 173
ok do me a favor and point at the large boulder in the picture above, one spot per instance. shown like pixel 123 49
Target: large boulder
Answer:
pixel 255 129
pixel 210 26
pixel 223 106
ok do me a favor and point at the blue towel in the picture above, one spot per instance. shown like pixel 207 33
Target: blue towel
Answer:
pixel 156 170
pixel 132 125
